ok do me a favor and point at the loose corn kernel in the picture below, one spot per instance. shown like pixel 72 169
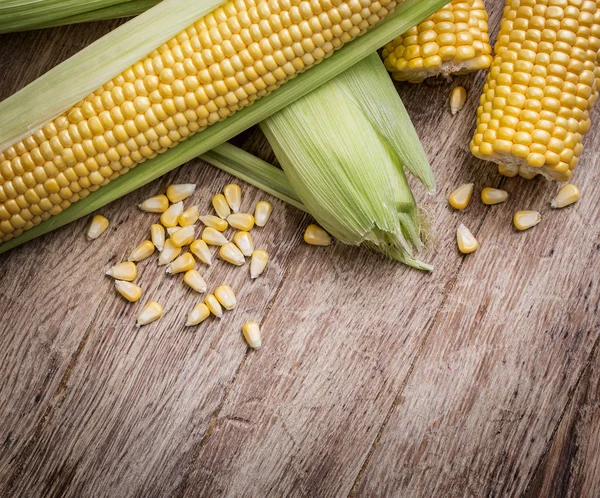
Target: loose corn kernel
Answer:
pixel 258 262
pixel 262 213
pixel 226 297
pixel 567 195
pixel 230 253
pixel 213 237
pixel 492 196
pixel 233 196
pixel 170 217
pixel 184 236
pixel 189 216
pixel 179 192
pixel 214 222
pixel 526 219
pixel 157 235
pixel 467 243
pixel 123 271
pixel 149 313
pixel 460 198
pixel 169 253
pixel 141 252
pixel 195 281
pixel 509 170
pixel 316 236
pixel 183 263
pixel 129 291
pixel 527 172
pixel 241 221
pixel 156 204
pixel 172 230
pixel 244 242
pixel 198 314
pixel 221 207
pixel 201 251
pixel 457 99
pixel 213 305
pixel 97 227
pixel 251 331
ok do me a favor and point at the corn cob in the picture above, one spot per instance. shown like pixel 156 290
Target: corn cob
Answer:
pixel 535 107
pixel 222 63
pixel 454 40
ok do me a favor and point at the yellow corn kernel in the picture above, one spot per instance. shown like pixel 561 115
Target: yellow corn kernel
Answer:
pixel 129 291
pixel 123 271
pixel 184 236
pixel 509 170
pixel 201 251
pixel 156 204
pixel 183 263
pixel 460 198
pixel 157 235
pixel 169 253
pixel 141 252
pixel 492 196
pixel 527 172
pixel 251 331
pixel 226 297
pixel 198 314
pixel 233 196
pixel 262 213
pixel 213 305
pixel 467 243
pixel 97 227
pixel 172 230
pixel 195 281
pixel 567 195
pixel 213 237
pixel 189 216
pixel 180 192
pixel 214 222
pixel 170 217
pixel 149 313
pixel 258 263
pixel 221 207
pixel 244 242
pixel 230 253
pixel 316 236
pixel 457 99
pixel 241 221
pixel 526 219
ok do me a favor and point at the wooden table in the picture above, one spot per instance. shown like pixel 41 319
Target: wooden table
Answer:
pixel 481 379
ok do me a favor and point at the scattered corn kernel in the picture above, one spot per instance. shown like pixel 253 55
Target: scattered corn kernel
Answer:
pixel 201 251
pixel 184 236
pixel 123 271
pixel 262 213
pixel 189 216
pixel 467 243
pixel 221 207
pixel 509 170
pixel 457 99
pixel 195 281
pixel 198 314
pixel 241 221
pixel 226 297
pixel 244 242
pixel 157 235
pixel 567 195
pixel 526 219
pixel 460 198
pixel 492 196
pixel 150 312
pixel 129 291
pixel 258 263
pixel 251 331
pixel 97 227
pixel 156 204
pixel 179 192
pixel 172 230
pixel 183 263
pixel 233 196
pixel 316 236
pixel 230 253
pixel 527 172
pixel 213 237
pixel 170 217
pixel 214 222
pixel 141 252
pixel 213 305
pixel 169 253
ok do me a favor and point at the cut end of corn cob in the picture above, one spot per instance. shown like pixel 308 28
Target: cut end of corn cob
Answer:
pixel 201 251
pixel 141 252
pixel 262 213
pixel 490 196
pixel 151 312
pixel 129 291
pixel 123 271
pixel 97 227
pixel 243 240
pixel 226 297
pixel 460 198
pixel 316 236
pixel 183 263
pixel 523 220
pixel 233 196
pixel 180 192
pixel 213 305
pixel 194 280
pixel 457 99
pixel 198 314
pixel 251 331
pixel 156 204
pixel 467 243
pixel 567 195
pixel 229 252
pixel 258 263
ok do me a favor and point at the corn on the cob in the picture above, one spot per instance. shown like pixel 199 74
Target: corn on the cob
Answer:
pixel 214 222
pixel 189 216
pixel 467 243
pixel 535 107
pixel 170 217
pixel 262 213
pixel 457 99
pixel 524 220
pixel 169 253
pixel 258 263
pixel 195 281
pixel 233 196
pixel 241 221
pixel 454 40
pixel 251 331
pixel 229 252
pixel 198 314
pixel 201 251
pixel 213 237
pixel 567 195
pixel 316 236
pixel 150 312
pixel 244 242
pixel 225 296
pixel 98 226
pixel 157 235
pixel 184 236
pixel 156 204
pixel 141 252
pixel 179 192
pixel 213 305
pixel 183 263
pixel 460 198
pixel 221 207
pixel 129 291
pixel 123 271
pixel 492 196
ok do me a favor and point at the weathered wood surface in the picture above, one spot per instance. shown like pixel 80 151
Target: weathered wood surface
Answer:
pixel 478 380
